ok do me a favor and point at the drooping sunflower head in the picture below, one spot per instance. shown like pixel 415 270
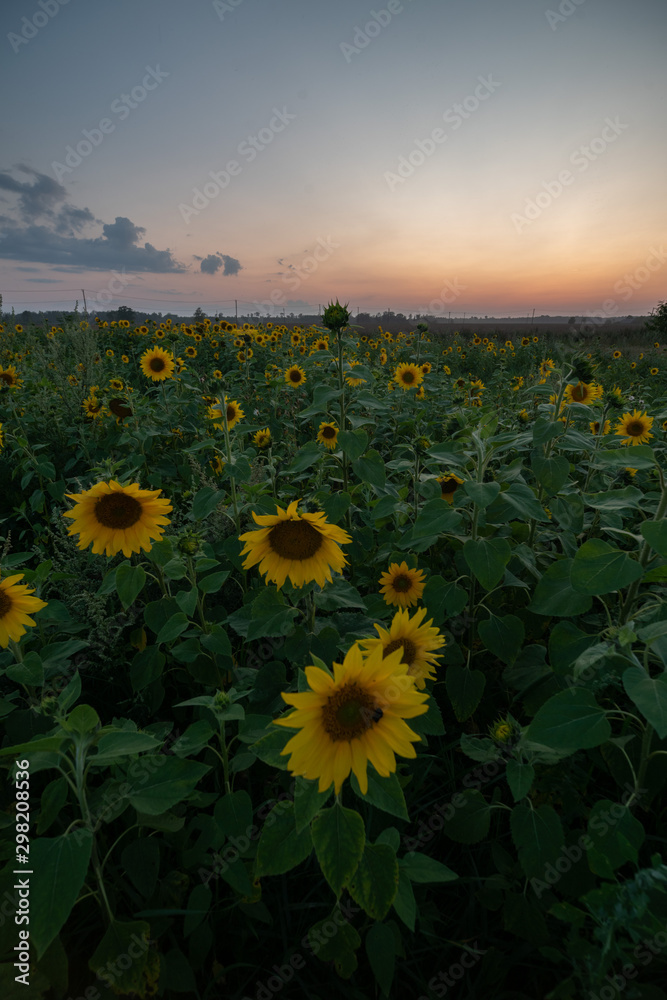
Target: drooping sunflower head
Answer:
pixel 408 376
pixel 119 408
pixel 295 376
pixel 328 435
pixel 353 717
pixel 417 640
pixel 635 427
pixel 9 378
pixel 262 439
pixel 16 606
pixel 595 427
pixel 157 364
pixel 118 518
pixel 583 392
pixel 449 483
pixel 303 547
pixel 546 367
pixel 401 585
pixel 231 410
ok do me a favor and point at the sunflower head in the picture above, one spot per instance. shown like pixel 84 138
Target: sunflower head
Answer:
pixel 583 392
pixel 157 364
pixel 328 435
pixel 16 606
pixel 295 376
pixel 118 518
pixel 401 585
pixel 335 316
pixel 262 439
pixel 408 376
pixel 635 427
pixel 449 483
pixel 417 640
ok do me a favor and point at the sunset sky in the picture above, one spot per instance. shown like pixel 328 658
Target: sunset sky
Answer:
pixel 418 155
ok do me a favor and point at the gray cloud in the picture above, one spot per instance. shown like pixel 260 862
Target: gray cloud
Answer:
pixel 215 261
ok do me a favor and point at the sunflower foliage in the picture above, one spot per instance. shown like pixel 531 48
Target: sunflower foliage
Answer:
pixel 333 652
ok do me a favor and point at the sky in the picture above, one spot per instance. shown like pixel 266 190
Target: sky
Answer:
pixel 424 156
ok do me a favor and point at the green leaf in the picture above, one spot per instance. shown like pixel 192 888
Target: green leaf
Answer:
pixel 517 502
pixel 270 746
pixel 545 430
pixel 164 782
pixel 465 689
pixel 60 865
pixel 82 720
pixel 551 472
pixel 370 469
pixel 125 938
pixel 353 443
pixel 655 533
pixel 570 720
pixel 502 636
pixel 111 746
pixel 338 594
pixel 405 903
pixel 481 494
pixel 568 512
pixel 338 838
pixel 233 813
pixel 205 502
pixel 520 777
pixel 30 671
pixel 638 456
pixel 566 643
pixel 171 630
pixel 381 950
pixel 195 737
pixel 616 837
pixel 554 594
pixel 385 793
pixel 435 518
pixel 212 583
pixel 471 818
pixel 443 600
pixel 199 903
pixel 538 836
pixel 600 568
pixel 304 458
pixel 53 799
pixel 487 558
pixel 335 505
pixel 338 948
pixel 622 500
pixel 280 847
pixel 308 800
pixel 130 581
pixel 187 600
pixel 141 861
pixel 423 869
pixel 649 695
pixel 375 882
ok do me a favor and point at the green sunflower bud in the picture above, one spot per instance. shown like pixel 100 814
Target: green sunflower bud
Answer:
pixel 335 316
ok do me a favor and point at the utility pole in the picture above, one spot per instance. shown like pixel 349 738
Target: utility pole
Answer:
pixel 85 307
pixel 236 308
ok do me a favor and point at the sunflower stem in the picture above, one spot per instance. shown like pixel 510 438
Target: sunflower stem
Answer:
pixel 228 452
pixel 16 650
pixel 225 758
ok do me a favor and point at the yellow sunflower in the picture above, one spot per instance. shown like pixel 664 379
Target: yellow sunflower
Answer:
pixel 303 547
pixel 328 435
pixel 583 392
pixel 116 383
pixel 262 439
pixel 418 642
pixel 93 407
pixel 636 426
pixel 546 367
pixel 449 483
pixel 118 518
pixel 401 585
pixel 9 378
pixel 352 718
pixel 157 364
pixel 234 413
pixel 16 606
pixel 408 376
pixel 595 427
pixel 217 465
pixel 124 358
pixel 322 344
pixel 295 375
pixel 191 351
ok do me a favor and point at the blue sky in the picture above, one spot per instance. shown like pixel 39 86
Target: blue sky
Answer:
pixel 421 155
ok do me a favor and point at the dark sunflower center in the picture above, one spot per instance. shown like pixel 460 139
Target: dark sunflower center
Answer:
pixel 6 378
pixel 329 432
pixel 349 712
pixel 119 409
pixel 402 583
pixel 231 413
pixel 295 540
pixel 448 485
pixel 157 364
pixel 117 510
pixel 409 650
pixel 580 392
pixel 408 377
pixel 295 376
pixel 635 428
pixel 596 427
pixel 5 603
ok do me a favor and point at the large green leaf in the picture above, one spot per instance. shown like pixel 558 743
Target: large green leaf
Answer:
pixel 130 581
pixel 518 501
pixel 381 950
pixel 308 800
pixel 649 695
pixel 131 939
pixel 353 443
pixel 638 457
pixel 423 869
pixel 280 847
pixel 471 818
pixel 375 882
pixel 555 595
pixel 551 472
pixel 487 558
pixel 599 568
pixel 385 793
pixel 435 518
pixel 338 838
pixel 481 494
pixel 655 533
pixel 465 689
pixel 370 468
pixel 162 782
pixel 520 777
pixel 616 837
pixel 570 720
pixel 538 836
pixel 502 636
pixel 60 865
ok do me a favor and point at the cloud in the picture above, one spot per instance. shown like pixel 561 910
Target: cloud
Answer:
pixel 45 230
pixel 215 261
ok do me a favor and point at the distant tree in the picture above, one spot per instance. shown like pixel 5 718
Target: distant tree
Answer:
pixel 199 314
pixel 125 312
pixel 657 321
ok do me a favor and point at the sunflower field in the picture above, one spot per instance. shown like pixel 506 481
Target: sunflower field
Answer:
pixel 290 621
